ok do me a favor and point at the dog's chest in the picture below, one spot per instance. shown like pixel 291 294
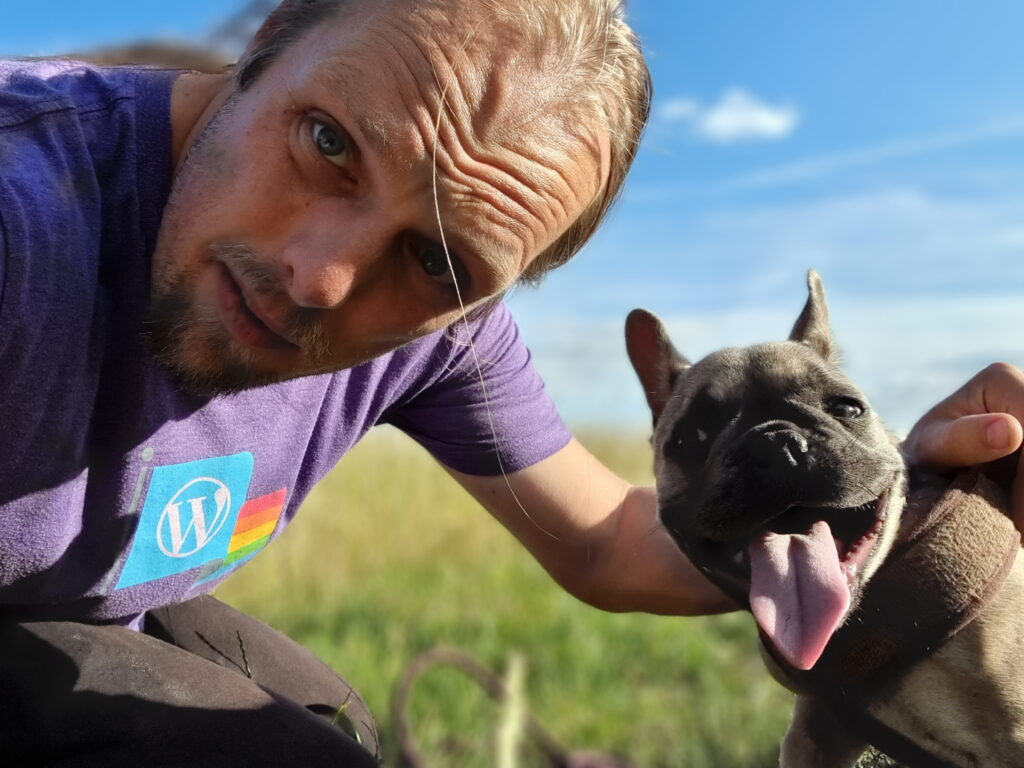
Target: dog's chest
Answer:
pixel 965 703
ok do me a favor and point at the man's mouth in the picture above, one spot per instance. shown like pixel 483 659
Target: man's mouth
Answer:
pixel 246 320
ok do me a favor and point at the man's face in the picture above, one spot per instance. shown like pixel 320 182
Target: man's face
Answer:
pixel 302 234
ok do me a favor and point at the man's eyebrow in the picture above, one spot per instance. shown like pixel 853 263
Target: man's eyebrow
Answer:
pixel 372 131
pixel 495 264
pixel 341 79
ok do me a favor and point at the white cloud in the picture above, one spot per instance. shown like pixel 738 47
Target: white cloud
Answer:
pixel 680 109
pixel 737 116
pixel 816 167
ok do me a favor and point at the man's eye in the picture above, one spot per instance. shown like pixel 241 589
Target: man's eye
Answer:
pixel 435 263
pixel 331 143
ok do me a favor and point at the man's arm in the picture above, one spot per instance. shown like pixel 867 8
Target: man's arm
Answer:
pixel 597 535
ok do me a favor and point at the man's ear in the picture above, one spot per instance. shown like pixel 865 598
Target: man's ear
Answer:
pixel 811 327
pixel 654 359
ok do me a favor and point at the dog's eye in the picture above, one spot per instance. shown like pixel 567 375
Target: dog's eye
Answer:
pixel 688 443
pixel 845 408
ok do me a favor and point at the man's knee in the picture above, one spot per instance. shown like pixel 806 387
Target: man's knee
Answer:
pixel 96 695
pixel 236 641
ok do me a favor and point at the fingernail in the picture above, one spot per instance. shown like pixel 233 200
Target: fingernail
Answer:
pixel 998 435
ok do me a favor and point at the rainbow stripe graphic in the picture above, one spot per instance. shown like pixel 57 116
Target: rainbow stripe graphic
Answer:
pixel 257 520
pixel 254 526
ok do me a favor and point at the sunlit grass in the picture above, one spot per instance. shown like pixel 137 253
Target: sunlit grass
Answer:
pixel 389 557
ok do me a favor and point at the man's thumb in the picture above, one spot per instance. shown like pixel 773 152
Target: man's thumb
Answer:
pixel 965 441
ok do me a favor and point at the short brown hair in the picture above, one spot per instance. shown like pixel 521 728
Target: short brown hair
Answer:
pixel 601 54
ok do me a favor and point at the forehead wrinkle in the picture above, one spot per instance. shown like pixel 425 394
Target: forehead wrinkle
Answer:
pixel 458 92
pixel 494 182
pixel 540 187
pixel 474 183
pixel 520 191
pixel 496 266
pixel 430 99
pixel 547 175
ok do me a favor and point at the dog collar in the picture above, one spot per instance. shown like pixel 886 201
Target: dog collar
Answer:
pixel 953 554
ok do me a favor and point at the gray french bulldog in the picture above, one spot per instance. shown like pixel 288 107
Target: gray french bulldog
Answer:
pixel 885 604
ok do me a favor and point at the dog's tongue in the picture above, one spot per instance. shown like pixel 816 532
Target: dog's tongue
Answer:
pixel 798 592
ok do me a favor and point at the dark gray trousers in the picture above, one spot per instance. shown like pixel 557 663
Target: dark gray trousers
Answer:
pixel 205 686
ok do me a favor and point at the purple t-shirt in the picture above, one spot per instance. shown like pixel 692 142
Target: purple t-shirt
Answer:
pixel 118 491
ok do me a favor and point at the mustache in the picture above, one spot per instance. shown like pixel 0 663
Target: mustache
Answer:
pixel 266 278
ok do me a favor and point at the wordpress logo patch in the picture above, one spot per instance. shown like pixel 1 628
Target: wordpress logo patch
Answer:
pixel 193 517
pixel 187 518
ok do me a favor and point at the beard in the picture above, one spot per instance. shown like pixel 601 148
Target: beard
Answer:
pixel 194 344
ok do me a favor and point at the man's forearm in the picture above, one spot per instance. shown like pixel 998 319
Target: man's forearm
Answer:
pixel 597 535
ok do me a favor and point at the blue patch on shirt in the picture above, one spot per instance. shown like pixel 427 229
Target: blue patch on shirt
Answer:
pixel 187 518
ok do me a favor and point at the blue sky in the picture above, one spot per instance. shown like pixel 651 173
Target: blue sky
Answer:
pixel 881 143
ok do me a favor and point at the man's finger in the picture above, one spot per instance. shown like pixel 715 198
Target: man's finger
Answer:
pixel 965 441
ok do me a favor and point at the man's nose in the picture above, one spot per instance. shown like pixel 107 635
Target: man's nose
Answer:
pixel 323 266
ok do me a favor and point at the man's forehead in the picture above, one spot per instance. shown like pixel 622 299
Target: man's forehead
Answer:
pixel 395 76
pixel 433 69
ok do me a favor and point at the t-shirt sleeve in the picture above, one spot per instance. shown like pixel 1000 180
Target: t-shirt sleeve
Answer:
pixel 3 263
pixel 487 412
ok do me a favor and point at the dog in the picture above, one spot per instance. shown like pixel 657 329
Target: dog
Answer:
pixel 891 601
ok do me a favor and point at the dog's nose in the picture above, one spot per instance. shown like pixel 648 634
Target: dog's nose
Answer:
pixel 780 448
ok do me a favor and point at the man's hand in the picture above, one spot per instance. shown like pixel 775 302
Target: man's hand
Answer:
pixel 978 423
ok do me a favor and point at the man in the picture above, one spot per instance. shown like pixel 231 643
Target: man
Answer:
pixel 213 285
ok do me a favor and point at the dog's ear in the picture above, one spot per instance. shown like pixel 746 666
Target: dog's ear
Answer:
pixel 811 327
pixel 654 359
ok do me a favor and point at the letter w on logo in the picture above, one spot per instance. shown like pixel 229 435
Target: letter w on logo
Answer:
pixel 190 536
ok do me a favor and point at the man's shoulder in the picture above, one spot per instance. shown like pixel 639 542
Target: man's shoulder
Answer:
pixel 69 132
pixel 67 108
pixel 84 171
pixel 30 89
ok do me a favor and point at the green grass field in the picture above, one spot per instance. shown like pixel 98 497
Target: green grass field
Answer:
pixel 389 557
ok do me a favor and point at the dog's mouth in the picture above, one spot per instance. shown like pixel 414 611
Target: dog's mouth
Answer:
pixel 854 530
pixel 805 566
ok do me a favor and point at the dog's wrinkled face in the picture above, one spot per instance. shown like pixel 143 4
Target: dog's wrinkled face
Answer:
pixel 773 474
